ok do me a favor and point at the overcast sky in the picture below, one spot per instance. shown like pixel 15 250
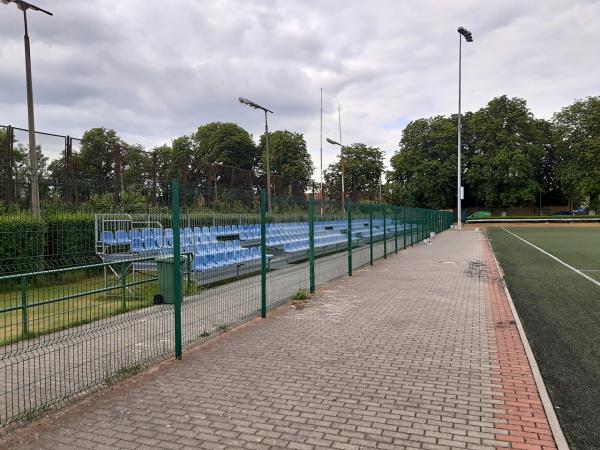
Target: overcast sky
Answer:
pixel 155 70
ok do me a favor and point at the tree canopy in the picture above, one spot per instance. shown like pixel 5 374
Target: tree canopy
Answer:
pixel 424 169
pixel 509 157
pixel 363 168
pixel 225 143
pixel 503 147
pixel 290 163
pixel 578 168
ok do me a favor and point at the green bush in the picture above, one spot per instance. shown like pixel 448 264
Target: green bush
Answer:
pixel 70 240
pixel 22 241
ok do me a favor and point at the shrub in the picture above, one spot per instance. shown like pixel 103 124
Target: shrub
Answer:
pixel 21 244
pixel 70 240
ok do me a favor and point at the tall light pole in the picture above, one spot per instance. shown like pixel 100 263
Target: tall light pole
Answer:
pixel 331 141
pixel 321 142
pixel 251 104
pixel 33 160
pixel 462 32
pixel 342 161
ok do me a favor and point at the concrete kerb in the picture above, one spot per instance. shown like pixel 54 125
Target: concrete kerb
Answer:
pixel 559 437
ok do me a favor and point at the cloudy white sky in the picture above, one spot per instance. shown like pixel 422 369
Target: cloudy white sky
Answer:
pixel 154 70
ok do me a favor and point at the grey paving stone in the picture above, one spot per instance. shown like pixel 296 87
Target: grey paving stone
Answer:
pixel 398 356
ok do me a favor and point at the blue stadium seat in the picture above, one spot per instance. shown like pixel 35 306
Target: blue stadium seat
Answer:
pixel 107 238
pixel 150 243
pixel 122 237
pixel 136 245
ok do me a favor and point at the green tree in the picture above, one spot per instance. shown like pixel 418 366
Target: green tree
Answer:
pixel 95 162
pixel 546 172
pixel 578 167
pixel 363 167
pixel 136 168
pixel 424 168
pixel 225 143
pixel 14 165
pixel 290 163
pixel 503 150
pixel 220 150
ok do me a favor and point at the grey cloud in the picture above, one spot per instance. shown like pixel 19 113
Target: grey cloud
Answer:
pixel 155 70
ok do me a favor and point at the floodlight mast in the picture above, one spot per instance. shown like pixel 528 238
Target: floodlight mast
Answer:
pixel 254 105
pixel 33 159
pixel 462 32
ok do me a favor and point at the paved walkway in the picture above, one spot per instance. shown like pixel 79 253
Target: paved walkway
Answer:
pixel 420 351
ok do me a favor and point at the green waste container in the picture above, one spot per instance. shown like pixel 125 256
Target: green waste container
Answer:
pixel 164 269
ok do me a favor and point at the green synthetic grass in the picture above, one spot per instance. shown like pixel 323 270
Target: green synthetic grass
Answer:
pixel 575 216
pixel 560 311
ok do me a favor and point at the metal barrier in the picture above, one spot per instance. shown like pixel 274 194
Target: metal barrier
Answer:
pixel 65 331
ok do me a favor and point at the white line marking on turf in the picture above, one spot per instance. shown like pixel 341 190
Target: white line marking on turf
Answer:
pixel 587 277
pixel 590 270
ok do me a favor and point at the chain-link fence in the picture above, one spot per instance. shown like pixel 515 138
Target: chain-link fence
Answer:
pixel 111 278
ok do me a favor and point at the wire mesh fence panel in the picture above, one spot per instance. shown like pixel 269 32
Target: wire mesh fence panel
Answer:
pixel 361 236
pixel 223 288
pixel 336 237
pixel 288 247
pixel 77 303
pixel 91 289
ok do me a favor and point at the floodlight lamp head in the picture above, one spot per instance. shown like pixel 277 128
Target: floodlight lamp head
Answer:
pixel 24 6
pixel 465 33
pixel 251 104
pixel 247 102
pixel 331 141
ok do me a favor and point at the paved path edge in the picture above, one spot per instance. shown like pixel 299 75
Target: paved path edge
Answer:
pixel 557 433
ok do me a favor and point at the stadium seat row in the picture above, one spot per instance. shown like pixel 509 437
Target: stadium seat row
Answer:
pixel 230 257
pixel 322 241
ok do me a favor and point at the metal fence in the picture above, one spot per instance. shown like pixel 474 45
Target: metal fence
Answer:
pixel 71 173
pixel 89 296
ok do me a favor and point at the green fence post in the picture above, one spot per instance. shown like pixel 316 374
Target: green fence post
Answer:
pixel 404 226
pixel 124 286
pixel 371 233
pixel 24 311
pixel 177 294
pixel 349 233
pixel 413 220
pixel 418 223
pixel 263 254
pixel 188 268
pixel 417 230
pixel 395 229
pixel 384 233
pixel 311 240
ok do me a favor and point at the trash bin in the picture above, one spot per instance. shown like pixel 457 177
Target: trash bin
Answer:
pixel 164 270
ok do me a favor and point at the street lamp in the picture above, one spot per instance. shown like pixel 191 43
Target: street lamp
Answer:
pixel 462 32
pixel 331 141
pixel 251 104
pixel 33 162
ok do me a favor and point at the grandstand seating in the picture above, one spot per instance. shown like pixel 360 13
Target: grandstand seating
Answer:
pixel 209 253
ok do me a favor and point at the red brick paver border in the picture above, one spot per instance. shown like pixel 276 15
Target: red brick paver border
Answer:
pixel 527 424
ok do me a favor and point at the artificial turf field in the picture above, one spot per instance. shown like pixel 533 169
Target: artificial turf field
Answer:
pixel 560 311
